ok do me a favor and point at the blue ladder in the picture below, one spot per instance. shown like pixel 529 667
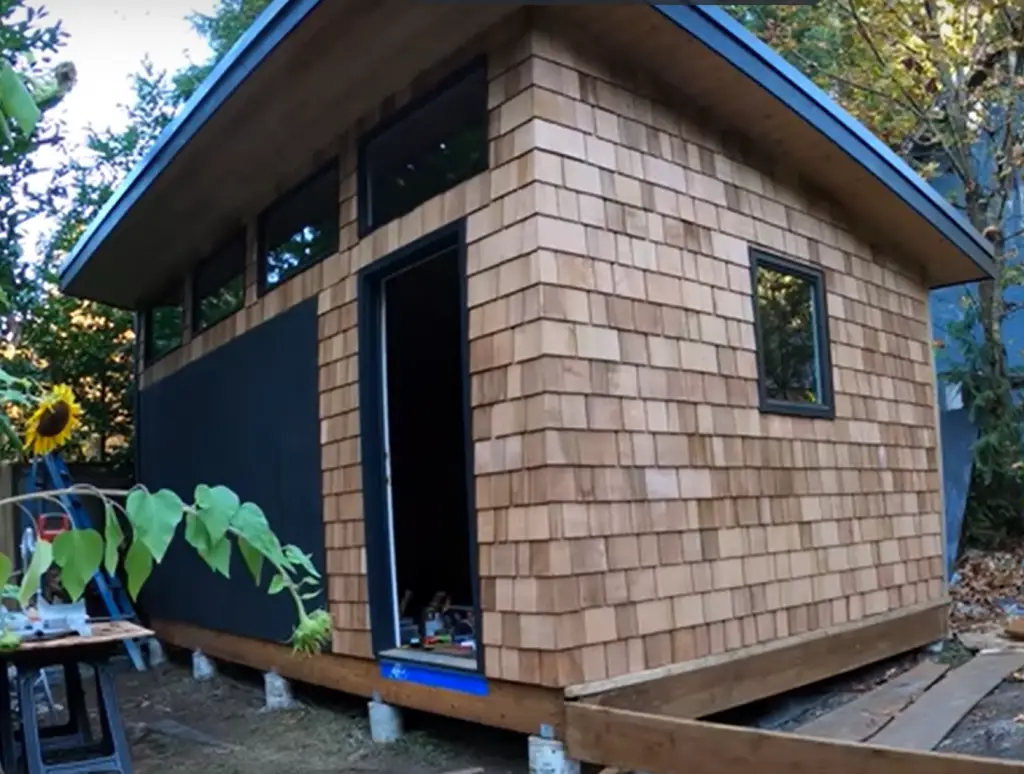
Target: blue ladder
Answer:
pixel 115 599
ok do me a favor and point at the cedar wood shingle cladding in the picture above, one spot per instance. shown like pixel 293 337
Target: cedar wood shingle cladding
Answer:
pixel 634 506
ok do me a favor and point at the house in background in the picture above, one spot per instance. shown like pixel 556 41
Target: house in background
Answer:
pixel 957 432
pixel 485 305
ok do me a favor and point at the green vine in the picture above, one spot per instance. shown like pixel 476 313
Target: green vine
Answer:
pixel 215 522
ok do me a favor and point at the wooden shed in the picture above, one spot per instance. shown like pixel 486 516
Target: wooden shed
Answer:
pixel 599 323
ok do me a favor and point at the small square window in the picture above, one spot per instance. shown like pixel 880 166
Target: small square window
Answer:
pixel 791 324
pixel 300 229
pixel 164 321
pixel 425 149
pixel 218 284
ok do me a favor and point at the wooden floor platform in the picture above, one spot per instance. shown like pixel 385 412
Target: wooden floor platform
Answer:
pixel 892 729
pixel 637 741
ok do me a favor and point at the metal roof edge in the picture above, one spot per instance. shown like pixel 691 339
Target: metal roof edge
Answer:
pixel 723 34
pixel 248 52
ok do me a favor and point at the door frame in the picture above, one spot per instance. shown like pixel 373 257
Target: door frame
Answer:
pixel 372 428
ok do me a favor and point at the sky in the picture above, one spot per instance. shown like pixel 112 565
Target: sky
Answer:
pixel 107 41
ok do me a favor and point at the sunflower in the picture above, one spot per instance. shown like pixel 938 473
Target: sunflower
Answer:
pixel 51 424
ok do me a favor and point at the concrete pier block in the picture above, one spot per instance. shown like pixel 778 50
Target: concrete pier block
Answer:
pixel 277 692
pixel 547 756
pixel 202 667
pixel 385 722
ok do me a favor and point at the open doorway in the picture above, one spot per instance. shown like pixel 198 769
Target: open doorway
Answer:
pixel 422 550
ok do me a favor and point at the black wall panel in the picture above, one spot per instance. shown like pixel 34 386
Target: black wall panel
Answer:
pixel 245 416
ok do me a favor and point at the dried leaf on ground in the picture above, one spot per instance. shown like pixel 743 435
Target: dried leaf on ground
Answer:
pixel 988 589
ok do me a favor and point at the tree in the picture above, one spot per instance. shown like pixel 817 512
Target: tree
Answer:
pixel 81 343
pixel 221 29
pixel 30 85
pixel 942 83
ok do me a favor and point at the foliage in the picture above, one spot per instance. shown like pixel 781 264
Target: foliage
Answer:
pixel 81 343
pixel 216 523
pixel 942 83
pixel 89 346
pixel 997 477
pixel 30 85
pixel 221 29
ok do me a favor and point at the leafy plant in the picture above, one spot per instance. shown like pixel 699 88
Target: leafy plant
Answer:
pixel 988 389
pixel 216 523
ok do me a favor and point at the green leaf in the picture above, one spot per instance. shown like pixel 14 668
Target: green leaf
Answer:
pixel 41 560
pixel 216 553
pixel 138 566
pixel 195 533
pixel 276 585
pixel 113 538
pixel 5 569
pixel 310 595
pixel 250 523
pixel 155 517
pixel 218 556
pixel 253 559
pixel 16 100
pixel 7 430
pixel 294 556
pixel 217 506
pixel 78 553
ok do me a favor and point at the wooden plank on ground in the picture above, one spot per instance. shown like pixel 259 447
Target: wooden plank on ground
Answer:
pixel 925 723
pixel 859 719
pixel 637 741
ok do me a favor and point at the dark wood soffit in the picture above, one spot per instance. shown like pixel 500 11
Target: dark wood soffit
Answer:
pixel 643 41
pixel 283 122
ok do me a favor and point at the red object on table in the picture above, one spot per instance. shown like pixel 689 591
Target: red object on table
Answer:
pixel 49 525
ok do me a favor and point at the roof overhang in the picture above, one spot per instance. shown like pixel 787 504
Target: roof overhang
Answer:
pixel 249 51
pixel 274 106
pixel 272 111
pixel 721 33
pixel 703 55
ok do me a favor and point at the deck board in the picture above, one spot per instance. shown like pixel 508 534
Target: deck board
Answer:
pixel 926 722
pixel 868 714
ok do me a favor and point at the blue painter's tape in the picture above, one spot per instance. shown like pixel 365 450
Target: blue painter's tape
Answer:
pixel 434 677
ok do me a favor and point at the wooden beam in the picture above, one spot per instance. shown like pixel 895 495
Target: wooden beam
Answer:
pixel 635 740
pixel 512 706
pixel 860 719
pixel 732 680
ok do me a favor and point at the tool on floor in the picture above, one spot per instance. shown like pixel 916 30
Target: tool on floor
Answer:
pixel 50 472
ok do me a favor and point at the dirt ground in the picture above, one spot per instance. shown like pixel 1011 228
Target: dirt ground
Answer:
pixel 179 726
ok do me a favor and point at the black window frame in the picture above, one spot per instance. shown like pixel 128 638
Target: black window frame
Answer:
pixel 173 295
pixel 825 408
pixel 327 174
pixel 231 249
pixel 469 82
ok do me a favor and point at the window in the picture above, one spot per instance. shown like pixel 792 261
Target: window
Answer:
pixel 299 229
pixel 425 149
pixel 791 324
pixel 218 285
pixel 164 323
